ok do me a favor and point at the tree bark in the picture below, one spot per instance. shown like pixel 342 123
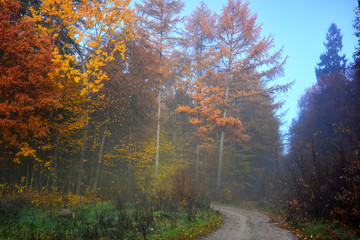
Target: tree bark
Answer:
pixel 96 181
pixel 222 136
pixel 81 162
pixel 82 153
pixel 197 163
pixel 158 136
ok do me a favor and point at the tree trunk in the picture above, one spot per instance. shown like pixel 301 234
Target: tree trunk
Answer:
pixel 222 136
pixel 93 160
pixel 218 178
pixel 174 118
pixel 82 153
pixel 100 158
pixel 32 175
pixel 54 183
pixel 197 163
pixel 27 174
pixel 129 164
pixel 158 136
pixel 81 162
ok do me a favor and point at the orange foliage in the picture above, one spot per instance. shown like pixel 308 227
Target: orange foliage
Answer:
pixel 107 23
pixel 28 97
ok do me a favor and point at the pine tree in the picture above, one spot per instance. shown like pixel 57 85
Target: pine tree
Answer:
pixel 356 26
pixel 331 61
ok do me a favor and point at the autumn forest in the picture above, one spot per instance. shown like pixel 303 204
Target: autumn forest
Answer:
pixel 107 100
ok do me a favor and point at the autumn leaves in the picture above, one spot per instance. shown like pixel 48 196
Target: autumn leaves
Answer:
pixel 232 73
pixel 84 85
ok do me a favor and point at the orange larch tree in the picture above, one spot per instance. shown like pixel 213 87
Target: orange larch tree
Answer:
pixel 242 61
pixel 199 39
pixel 160 19
pixel 244 56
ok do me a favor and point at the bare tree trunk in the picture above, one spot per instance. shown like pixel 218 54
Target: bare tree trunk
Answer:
pixel 129 178
pixel 55 161
pixel 197 163
pixel 158 136
pixel 82 153
pixel 174 118
pixel 27 174
pixel 81 162
pixel 100 158
pixel 205 170
pixel 222 136
pixel 93 160
pixel 129 164
pixel 32 175
pixel 219 171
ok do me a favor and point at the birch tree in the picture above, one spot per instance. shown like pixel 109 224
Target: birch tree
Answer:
pixel 91 26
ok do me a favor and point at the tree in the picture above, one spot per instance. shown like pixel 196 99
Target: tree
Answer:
pixel 356 26
pixel 91 26
pixel 126 100
pixel 160 19
pixel 331 61
pixel 28 96
pixel 199 36
pixel 243 56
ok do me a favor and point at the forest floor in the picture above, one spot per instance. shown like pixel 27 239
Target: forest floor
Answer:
pixel 242 224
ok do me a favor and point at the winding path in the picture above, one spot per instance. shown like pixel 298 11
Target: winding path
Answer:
pixel 241 224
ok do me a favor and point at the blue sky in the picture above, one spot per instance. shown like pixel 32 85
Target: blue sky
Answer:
pixel 300 27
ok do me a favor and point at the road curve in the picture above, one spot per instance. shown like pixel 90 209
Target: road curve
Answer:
pixel 241 224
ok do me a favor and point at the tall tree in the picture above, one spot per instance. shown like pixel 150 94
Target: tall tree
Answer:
pixel 107 22
pixel 199 38
pixel 28 96
pixel 332 60
pixel 245 57
pixel 160 18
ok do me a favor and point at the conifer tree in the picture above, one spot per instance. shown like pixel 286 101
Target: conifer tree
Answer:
pixel 332 60
pixel 245 58
pixel 160 18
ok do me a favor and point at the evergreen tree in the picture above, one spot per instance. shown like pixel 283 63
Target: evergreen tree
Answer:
pixel 331 61
pixel 356 26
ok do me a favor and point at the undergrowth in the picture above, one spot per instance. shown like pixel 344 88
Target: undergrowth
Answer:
pixel 40 218
pixel 307 227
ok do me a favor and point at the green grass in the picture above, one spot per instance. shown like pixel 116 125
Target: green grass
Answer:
pixel 205 222
pixel 103 221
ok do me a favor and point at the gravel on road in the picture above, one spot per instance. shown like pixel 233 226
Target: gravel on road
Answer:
pixel 241 224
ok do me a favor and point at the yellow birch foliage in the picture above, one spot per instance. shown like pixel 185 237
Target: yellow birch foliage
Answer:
pixel 92 26
pixel 139 155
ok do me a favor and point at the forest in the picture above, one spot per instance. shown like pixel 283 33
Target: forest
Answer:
pixel 140 116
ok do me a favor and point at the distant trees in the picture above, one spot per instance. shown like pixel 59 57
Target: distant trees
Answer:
pixel 325 140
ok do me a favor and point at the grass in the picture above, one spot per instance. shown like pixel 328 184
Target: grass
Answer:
pixel 205 222
pixel 104 221
pixel 309 228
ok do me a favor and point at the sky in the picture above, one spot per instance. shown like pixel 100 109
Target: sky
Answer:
pixel 299 27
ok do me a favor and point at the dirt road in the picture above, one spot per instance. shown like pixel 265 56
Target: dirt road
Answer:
pixel 241 224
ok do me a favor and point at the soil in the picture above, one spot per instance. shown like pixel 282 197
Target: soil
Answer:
pixel 241 224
